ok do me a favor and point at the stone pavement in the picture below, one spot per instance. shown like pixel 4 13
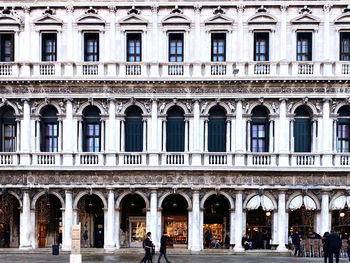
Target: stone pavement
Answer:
pixel 135 258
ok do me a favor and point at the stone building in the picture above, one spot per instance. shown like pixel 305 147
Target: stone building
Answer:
pixel 173 116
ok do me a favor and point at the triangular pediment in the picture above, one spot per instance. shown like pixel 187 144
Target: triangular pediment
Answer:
pixel 176 19
pixel 7 20
pixel 219 20
pixel 90 19
pixel 305 19
pixel 262 19
pixel 343 19
pixel 48 20
pixel 133 20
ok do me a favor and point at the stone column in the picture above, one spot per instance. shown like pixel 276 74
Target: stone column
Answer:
pixel 38 135
pixel 103 135
pixel 60 135
pixel 110 243
pixel 326 137
pixel 195 134
pixel 239 142
pixel 239 220
pixel 25 134
pixel 154 137
pixel 70 43
pixel 228 135
pixel 232 226
pixel 248 135
pixel 164 135
pixel 122 135
pixel 283 43
pixel 327 65
pixel 196 228
pixel 325 214
pixel 206 135
pixel 292 135
pixel 26 229
pixel 152 219
pixel 68 221
pixel 187 131
pixel 282 222
pixel 144 134
pixel 197 40
pixel 314 136
pixel 282 135
pixel 111 134
pixel 117 228
pixel 68 135
pixel 271 137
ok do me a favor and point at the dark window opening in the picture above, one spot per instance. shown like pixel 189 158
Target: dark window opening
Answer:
pixel 345 46
pixel 49 46
pixel 49 129
pixel 133 47
pixel 261 46
pixel 176 47
pixel 91 130
pixel 218 47
pixel 91 47
pixel 259 130
pixel 304 46
pixel 6 47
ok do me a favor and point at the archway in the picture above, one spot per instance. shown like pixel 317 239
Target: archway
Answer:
pixel 259 221
pixel 302 216
pixel 48 221
pixel 9 220
pixel 216 220
pixel 175 220
pixel 133 220
pixel 91 217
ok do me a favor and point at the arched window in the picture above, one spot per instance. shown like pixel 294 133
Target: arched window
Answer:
pixel 91 129
pixel 343 129
pixel 217 130
pixel 302 130
pixel 259 130
pixel 175 130
pixel 49 129
pixel 133 129
pixel 8 129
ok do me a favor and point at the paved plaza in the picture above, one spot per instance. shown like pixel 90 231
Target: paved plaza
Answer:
pixel 126 258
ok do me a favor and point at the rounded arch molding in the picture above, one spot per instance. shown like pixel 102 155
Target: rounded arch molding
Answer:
pixel 86 192
pixel 43 192
pixel 223 193
pixel 124 194
pixel 183 194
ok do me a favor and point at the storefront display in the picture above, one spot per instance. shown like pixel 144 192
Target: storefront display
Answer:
pixel 137 230
pixel 216 230
pixel 176 228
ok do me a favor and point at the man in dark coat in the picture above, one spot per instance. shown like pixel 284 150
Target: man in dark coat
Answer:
pixel 334 246
pixel 325 246
pixel 163 241
pixel 245 242
pixel 148 246
pixel 296 242
pixel 207 238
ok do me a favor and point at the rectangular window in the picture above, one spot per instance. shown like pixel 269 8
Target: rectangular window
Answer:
pixel 343 137
pixel 345 46
pixel 91 47
pixel 304 46
pixel 261 46
pixel 133 47
pixel 6 47
pixel 176 47
pixel 9 131
pixel 93 137
pixel 48 46
pixel 258 138
pixel 51 137
pixel 218 47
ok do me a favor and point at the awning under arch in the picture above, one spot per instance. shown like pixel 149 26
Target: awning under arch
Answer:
pixel 340 202
pixel 299 200
pixel 256 201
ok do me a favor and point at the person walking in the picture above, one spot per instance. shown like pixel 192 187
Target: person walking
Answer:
pixel 148 248
pixel 325 246
pixel 163 242
pixel 334 246
pixel 296 242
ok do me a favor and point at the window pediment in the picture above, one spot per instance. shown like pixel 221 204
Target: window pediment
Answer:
pixel 306 19
pixel 176 19
pixel 262 19
pixel 219 19
pixel 343 19
pixel 90 19
pixel 7 20
pixel 48 20
pixel 133 20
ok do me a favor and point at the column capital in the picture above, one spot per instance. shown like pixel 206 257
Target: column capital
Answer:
pixel 155 8
pixel 196 100
pixel 239 100
pixel 283 100
pixel 68 100
pixel 25 100
pixel 240 8
pixel 26 9
pixel 284 7
pixel 111 100
pixel 282 191
pixel 68 190
pixel 153 190
pixel 195 189
pixel 239 190
pixel 327 7
pixel 70 9
pixel 112 8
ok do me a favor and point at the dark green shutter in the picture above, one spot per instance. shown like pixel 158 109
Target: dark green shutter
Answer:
pixel 175 135
pixel 133 134
pixel 302 135
pixel 217 130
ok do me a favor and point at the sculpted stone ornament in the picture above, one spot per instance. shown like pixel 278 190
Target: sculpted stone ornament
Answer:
pixel 204 106
pixel 62 106
pixel 318 107
pixel 147 106
pixel 120 107
pixel 162 108
pixel 189 107
pixel 76 106
pixel 246 107
pixel 35 106
pixel 232 106
pixel 274 107
pixel 289 107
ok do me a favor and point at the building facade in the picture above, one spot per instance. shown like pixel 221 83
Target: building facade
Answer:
pixel 181 117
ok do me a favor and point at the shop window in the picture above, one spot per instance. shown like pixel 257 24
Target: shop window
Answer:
pixel 304 46
pixel 176 47
pixel 133 47
pixel 218 47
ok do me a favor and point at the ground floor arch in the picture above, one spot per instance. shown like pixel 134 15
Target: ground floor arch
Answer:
pixel 91 216
pixel 133 220
pixel 48 221
pixel 175 220
pixel 9 221
pixel 216 221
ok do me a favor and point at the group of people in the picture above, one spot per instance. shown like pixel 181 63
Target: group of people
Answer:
pixel 260 240
pixel 210 242
pixel 149 249
pixel 332 245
